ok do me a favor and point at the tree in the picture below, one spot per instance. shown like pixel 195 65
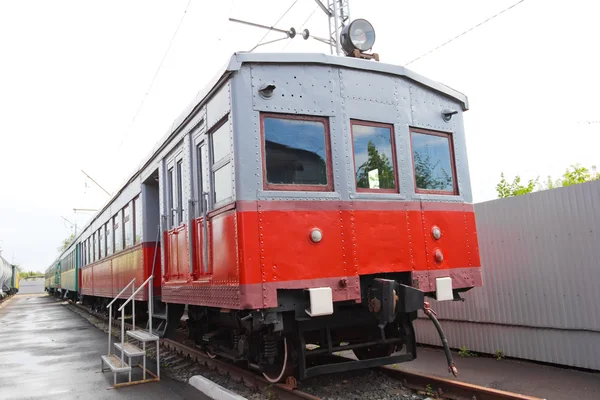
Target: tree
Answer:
pixel 379 162
pixel 424 169
pixel 66 243
pixel 515 188
pixel 573 175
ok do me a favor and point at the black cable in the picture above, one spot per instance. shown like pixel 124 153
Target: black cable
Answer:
pixel 467 31
pixel 157 71
pixel 280 18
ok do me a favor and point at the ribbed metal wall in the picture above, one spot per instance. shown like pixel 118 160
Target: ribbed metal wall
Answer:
pixel 540 258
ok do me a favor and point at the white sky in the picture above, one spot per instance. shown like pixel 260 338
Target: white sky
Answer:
pixel 73 74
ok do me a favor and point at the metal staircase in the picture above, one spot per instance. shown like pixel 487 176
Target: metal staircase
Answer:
pixel 135 338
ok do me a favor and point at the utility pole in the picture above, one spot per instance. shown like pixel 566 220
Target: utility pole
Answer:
pixel 72 224
pixel 97 184
pixel 338 12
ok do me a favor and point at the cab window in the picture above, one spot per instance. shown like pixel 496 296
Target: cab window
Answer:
pixel 297 153
pixel 374 157
pixel 433 162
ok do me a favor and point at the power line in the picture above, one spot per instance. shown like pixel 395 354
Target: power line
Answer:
pixel 157 71
pixel 280 18
pixel 465 32
pixel 302 26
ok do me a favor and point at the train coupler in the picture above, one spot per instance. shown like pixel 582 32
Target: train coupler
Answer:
pixel 387 298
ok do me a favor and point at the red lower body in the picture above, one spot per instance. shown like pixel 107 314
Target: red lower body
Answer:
pixel 108 277
pixel 255 248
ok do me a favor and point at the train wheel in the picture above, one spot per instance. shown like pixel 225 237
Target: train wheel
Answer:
pixel 282 366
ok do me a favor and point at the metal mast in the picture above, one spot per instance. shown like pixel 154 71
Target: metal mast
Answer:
pixel 338 12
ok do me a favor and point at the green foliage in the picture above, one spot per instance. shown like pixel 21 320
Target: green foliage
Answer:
pixel 66 243
pixel 499 354
pixel 578 174
pixel 464 352
pixel 379 162
pixel 429 390
pixel 506 189
pixel 30 274
pixel 424 174
pixel 573 175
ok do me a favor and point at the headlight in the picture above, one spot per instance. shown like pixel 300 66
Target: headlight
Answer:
pixel 358 35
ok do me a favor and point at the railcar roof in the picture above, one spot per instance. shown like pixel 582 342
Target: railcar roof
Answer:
pixel 234 64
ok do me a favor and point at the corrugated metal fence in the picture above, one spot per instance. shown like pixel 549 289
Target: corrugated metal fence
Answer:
pixel 540 257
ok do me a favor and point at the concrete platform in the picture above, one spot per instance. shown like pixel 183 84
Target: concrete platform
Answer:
pixel 523 377
pixel 47 351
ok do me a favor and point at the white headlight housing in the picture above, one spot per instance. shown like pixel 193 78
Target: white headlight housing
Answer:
pixel 358 35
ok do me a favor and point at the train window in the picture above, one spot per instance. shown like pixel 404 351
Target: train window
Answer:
pixel 101 234
pixel 201 156
pixel 118 232
pixel 128 224
pixel 137 222
pixel 109 238
pixel 94 247
pixel 222 183
pixel 221 143
pixel 179 192
pixel 297 153
pixel 374 157
pixel 433 162
pixel 170 189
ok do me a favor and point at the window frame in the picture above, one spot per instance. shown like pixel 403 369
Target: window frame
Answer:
pixel 449 136
pixel 354 121
pixel 328 162
pixel 215 165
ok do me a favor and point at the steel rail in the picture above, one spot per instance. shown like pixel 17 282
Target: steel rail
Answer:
pixel 281 391
pixel 451 389
pixel 444 388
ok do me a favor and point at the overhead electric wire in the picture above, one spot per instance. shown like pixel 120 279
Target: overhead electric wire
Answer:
pixel 157 72
pixel 272 26
pixel 465 32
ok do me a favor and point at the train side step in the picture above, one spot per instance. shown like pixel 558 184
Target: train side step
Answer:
pixel 114 363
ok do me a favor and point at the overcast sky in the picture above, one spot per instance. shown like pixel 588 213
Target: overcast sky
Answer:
pixel 74 73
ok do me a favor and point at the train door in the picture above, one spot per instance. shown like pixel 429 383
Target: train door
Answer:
pixel 200 157
pixel 176 229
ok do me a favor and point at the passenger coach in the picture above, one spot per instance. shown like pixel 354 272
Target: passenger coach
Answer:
pixel 300 198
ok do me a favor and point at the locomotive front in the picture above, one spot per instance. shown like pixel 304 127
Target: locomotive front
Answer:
pixel 353 204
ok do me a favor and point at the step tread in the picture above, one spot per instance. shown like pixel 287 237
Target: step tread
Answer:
pixel 143 336
pixel 114 363
pixel 130 349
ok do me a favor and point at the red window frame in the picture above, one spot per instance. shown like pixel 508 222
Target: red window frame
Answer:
pixel 447 135
pixel 394 161
pixel 297 187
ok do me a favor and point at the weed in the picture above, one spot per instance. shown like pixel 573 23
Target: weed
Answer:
pixel 499 354
pixel 464 352
pixel 429 390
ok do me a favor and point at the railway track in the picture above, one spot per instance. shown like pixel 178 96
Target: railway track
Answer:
pixel 186 356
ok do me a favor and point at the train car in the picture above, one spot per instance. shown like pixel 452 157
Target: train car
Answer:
pixel 121 244
pixel 50 279
pixel 316 199
pixel 9 278
pixel 299 199
pixel 69 272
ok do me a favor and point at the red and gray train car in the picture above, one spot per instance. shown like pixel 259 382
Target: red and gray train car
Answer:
pixel 299 199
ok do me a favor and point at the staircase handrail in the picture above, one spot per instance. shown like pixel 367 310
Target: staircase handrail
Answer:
pixel 120 293
pixel 109 306
pixel 136 292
